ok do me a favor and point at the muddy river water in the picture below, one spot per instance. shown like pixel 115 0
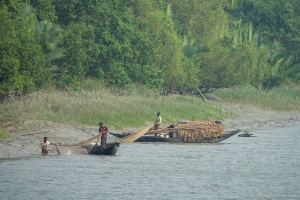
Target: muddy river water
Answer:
pixel 263 167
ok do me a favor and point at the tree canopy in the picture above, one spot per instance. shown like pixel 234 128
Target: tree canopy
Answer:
pixel 178 45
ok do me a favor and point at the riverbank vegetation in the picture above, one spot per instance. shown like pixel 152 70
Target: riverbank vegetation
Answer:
pixel 123 108
pixel 116 108
pixel 4 134
pixel 53 52
pixel 284 98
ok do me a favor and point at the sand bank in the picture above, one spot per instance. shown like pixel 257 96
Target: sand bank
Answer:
pixel 27 134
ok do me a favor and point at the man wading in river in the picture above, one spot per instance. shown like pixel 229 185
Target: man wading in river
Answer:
pixel 44 145
pixel 103 133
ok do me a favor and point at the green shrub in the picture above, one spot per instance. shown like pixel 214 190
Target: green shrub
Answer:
pixel 4 134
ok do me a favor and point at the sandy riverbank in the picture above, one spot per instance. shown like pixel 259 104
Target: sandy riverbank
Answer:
pixel 27 134
pixel 250 117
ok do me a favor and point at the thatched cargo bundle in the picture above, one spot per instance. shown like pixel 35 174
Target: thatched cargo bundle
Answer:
pixel 196 131
pixel 193 131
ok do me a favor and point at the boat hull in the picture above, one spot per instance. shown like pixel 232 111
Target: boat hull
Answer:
pixel 110 149
pixel 151 138
pixel 246 134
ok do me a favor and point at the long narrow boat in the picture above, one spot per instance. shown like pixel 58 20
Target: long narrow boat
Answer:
pixel 175 139
pixel 109 149
pixel 246 134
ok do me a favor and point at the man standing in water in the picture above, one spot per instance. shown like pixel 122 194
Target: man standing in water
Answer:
pixel 157 122
pixel 103 133
pixel 44 145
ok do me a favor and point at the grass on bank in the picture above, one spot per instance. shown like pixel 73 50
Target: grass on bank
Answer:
pixel 116 108
pixel 4 134
pixel 136 107
pixel 278 99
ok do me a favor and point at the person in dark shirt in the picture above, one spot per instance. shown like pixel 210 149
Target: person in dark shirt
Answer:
pixel 103 134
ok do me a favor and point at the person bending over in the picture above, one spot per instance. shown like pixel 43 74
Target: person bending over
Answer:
pixel 44 145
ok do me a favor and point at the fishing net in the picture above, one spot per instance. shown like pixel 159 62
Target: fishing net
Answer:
pixel 198 130
pixel 135 135
pixel 68 150
pixel 81 147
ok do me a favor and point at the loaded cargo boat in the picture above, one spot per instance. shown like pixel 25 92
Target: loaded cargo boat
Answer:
pixel 185 132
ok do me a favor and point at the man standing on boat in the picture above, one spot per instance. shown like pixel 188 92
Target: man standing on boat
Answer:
pixel 103 133
pixel 157 122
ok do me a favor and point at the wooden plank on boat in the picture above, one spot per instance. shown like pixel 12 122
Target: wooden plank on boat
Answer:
pixel 160 130
pixel 164 128
pixel 173 129
pixel 134 136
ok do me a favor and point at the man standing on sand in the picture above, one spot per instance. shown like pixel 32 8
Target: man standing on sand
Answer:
pixel 103 133
pixel 44 145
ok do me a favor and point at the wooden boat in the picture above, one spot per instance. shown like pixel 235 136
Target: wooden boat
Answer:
pixel 246 134
pixel 110 149
pixel 174 139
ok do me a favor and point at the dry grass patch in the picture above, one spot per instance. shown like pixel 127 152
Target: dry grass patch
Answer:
pixel 278 99
pixel 116 108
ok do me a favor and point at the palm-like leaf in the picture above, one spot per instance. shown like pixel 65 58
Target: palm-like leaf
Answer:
pixel 278 78
pixel 40 28
pixel 168 10
pixel 27 14
pixel 54 54
pixel 293 70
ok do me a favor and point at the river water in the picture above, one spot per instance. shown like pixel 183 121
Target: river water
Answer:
pixel 263 167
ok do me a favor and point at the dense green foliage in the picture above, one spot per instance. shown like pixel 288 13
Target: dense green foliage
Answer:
pixel 21 58
pixel 165 45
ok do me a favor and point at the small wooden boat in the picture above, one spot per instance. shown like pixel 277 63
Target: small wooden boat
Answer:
pixel 109 149
pixel 246 134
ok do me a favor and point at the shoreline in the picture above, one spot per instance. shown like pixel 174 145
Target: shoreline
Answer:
pixel 251 117
pixel 27 134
